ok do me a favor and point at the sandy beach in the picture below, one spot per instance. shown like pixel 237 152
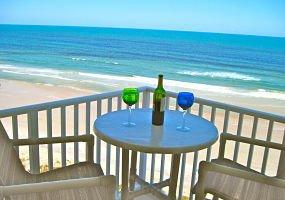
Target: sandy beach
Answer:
pixel 17 93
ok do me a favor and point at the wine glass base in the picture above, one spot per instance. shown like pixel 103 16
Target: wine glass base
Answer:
pixel 128 124
pixel 183 129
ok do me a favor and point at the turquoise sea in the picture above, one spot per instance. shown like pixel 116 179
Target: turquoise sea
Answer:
pixel 103 59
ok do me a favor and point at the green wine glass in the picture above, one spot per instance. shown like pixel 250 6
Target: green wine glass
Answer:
pixel 130 97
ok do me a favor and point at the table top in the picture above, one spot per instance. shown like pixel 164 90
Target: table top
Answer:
pixel 145 137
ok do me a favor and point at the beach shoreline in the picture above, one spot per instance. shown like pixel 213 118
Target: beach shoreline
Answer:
pixel 14 93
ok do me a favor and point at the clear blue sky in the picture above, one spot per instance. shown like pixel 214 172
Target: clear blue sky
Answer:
pixel 257 17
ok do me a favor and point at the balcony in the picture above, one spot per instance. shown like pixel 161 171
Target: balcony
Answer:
pixel 75 116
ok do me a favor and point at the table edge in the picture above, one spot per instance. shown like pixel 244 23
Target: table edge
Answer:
pixel 161 150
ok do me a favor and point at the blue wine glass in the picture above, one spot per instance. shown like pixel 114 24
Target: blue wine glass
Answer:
pixel 185 100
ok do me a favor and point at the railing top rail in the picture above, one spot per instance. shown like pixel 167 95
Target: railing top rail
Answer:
pixel 59 103
pixel 233 108
pixel 77 100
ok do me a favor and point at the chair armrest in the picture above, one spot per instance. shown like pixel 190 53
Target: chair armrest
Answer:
pixel 108 181
pixel 227 136
pixel 53 140
pixel 212 167
pixel 89 139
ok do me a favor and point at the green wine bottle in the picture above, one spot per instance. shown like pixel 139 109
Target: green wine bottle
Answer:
pixel 158 103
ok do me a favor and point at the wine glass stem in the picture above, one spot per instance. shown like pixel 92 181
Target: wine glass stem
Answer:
pixel 129 117
pixel 183 119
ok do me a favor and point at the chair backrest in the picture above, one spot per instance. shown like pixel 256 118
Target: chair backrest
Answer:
pixel 11 169
pixel 281 166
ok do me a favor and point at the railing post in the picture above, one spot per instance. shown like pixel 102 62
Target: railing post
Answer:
pixel 226 121
pixel 239 130
pixel 253 135
pixel 87 117
pixel 152 169
pixel 281 165
pixel 108 149
pixel 162 163
pixel 266 151
pixel 194 171
pixel 49 135
pixel 98 141
pixel 63 134
pixel 213 118
pixel 33 133
pixel 182 174
pixel 15 130
pixel 76 130
pixel 118 150
pixel 142 169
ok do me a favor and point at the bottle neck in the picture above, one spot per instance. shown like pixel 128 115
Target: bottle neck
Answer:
pixel 160 82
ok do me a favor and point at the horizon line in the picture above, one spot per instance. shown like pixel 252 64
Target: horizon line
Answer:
pixel 137 28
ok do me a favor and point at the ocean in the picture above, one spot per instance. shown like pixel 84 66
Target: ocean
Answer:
pixel 105 59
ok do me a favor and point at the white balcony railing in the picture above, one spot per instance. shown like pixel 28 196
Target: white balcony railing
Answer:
pixel 76 116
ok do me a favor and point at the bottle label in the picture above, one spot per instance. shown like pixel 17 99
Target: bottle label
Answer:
pixel 162 104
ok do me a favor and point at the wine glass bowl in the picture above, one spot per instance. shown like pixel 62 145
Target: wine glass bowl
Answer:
pixel 185 100
pixel 130 96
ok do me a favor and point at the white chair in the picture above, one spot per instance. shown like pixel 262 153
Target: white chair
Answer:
pixel 82 181
pixel 229 180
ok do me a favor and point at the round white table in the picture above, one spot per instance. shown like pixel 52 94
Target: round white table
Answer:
pixel 144 137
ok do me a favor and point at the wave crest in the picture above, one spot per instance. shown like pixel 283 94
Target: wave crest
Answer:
pixel 229 75
pixel 78 59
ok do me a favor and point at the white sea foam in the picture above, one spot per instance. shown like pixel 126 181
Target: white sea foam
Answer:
pixel 123 81
pixel 75 88
pixel 100 83
pixel 48 73
pixel 110 62
pixel 46 84
pixel 179 85
pixel 228 75
pixel 78 59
